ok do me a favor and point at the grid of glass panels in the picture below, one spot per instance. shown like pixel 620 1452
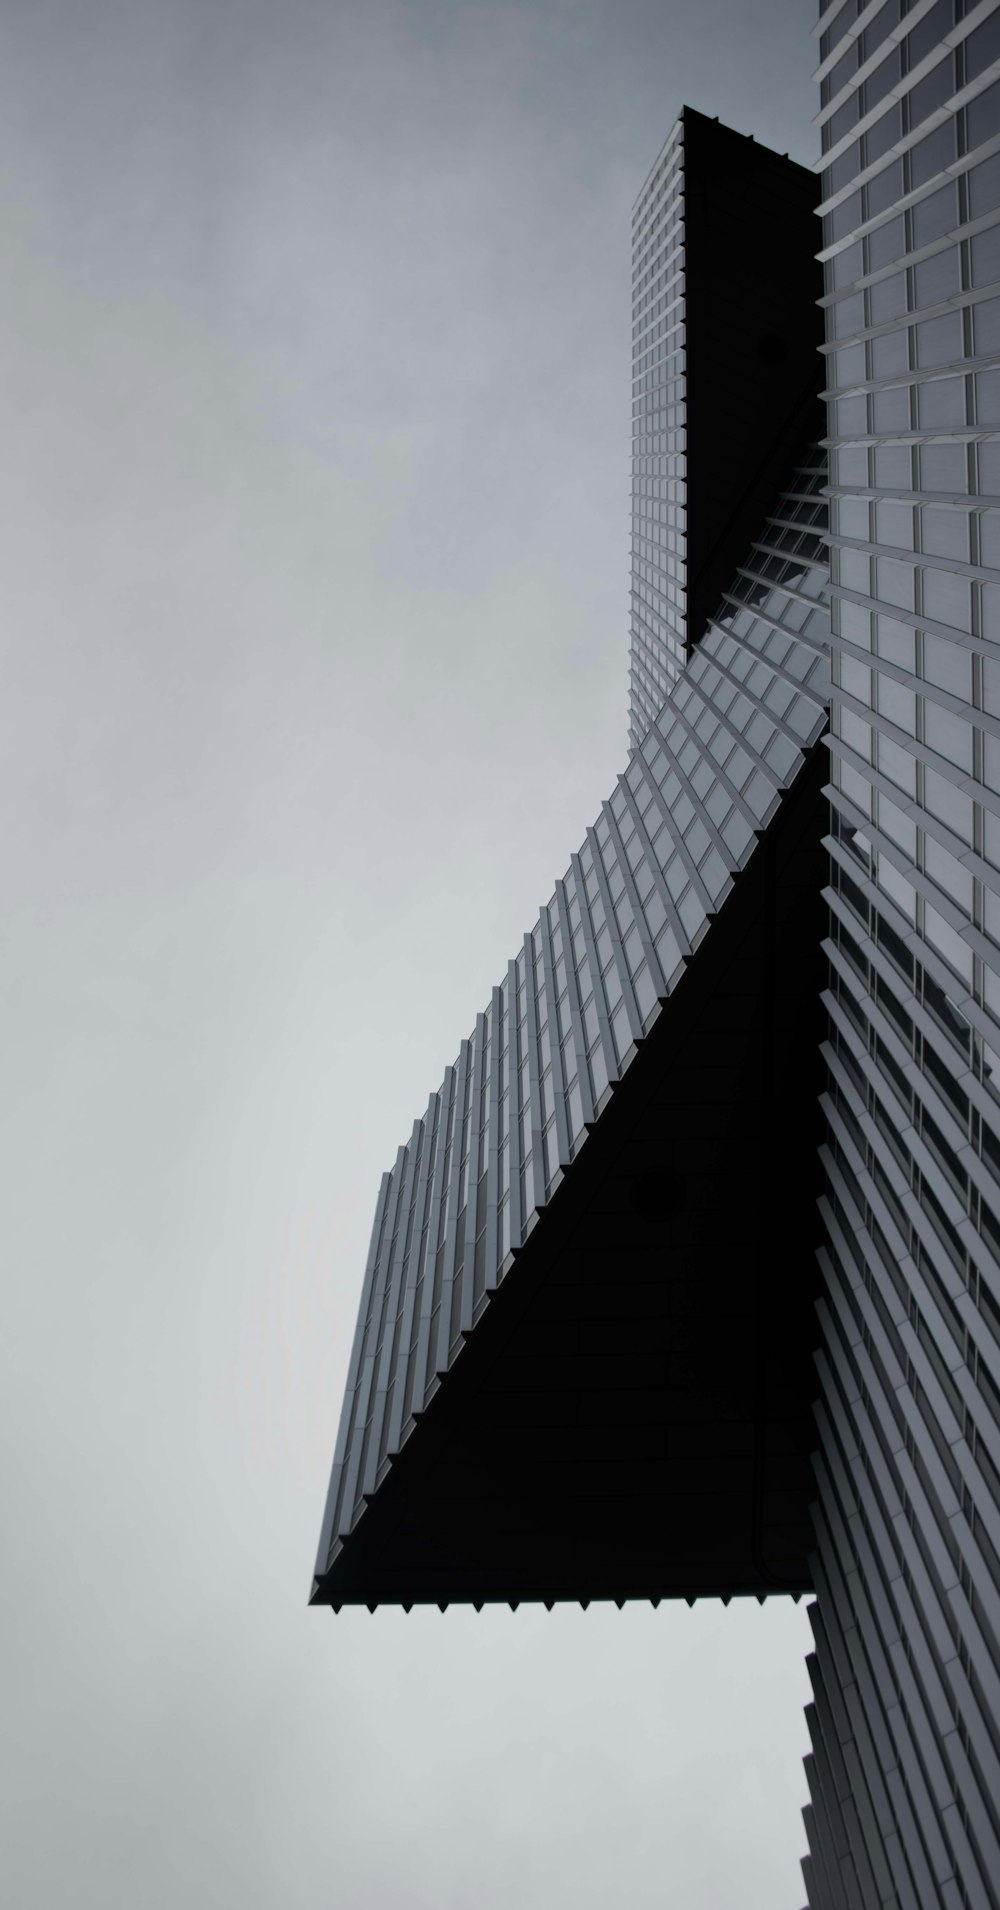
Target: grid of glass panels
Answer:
pixel 592 976
pixel 658 644
pixel 905 1769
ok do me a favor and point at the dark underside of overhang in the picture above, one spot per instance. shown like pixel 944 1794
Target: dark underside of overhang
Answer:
pixel 631 1416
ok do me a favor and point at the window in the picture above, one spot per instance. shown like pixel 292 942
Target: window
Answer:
pixel 851 518
pixel 928 33
pixel 879 29
pixel 848 315
pixel 945 533
pixel 840 124
pixel 989 544
pixel 849 465
pixel 982 47
pixel 946 598
pixel 845 267
pixel 844 218
pixel 897 763
pixel 882 80
pixel 939 340
pixel 852 417
pixel 991 777
pixel 837 28
pixel 883 134
pixel 853 571
pixel 948 804
pixel 949 736
pixel 896 642
pixel 981 116
pixel 948 666
pixel 893 467
pixel 937 278
pixel 843 170
pixel 984 187
pixel 931 92
pixel 841 74
pixel 943 468
pixel 948 874
pixel 890 354
pixel 986 327
pixel 898 890
pixel 899 828
pixel 989 466
pixel 886 244
pixel 948 943
pixel 932 154
pixel 897 703
pixel 855 679
pixel 894 524
pixel 985 253
pixel 887 298
pixel 942 403
pixel 854 732
pixel 847 367
pixel 855 624
pixel 884 190
pixel 895 582
pixel 934 216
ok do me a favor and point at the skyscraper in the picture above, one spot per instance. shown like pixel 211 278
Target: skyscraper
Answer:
pixel 905 1771
pixel 760 1014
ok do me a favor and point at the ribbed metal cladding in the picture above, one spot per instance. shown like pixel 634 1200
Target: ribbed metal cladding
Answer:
pixel 659 410
pixel 904 1774
pixel 589 981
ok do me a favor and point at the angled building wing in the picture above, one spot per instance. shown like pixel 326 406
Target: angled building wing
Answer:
pixel 582 1367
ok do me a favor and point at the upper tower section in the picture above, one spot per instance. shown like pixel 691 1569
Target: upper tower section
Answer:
pixel 725 335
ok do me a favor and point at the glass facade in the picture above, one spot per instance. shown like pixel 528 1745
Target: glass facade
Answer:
pixel 905 1768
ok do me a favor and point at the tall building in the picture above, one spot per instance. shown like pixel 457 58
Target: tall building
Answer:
pixel 905 1770
pixel 687 1282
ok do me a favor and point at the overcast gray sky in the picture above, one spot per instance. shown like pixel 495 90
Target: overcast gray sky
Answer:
pixel 315 415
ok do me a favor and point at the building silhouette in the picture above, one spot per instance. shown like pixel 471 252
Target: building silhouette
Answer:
pixel 687 1282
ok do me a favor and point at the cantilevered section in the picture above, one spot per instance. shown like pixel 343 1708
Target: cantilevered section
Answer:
pixel 582 1363
pixel 725 332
